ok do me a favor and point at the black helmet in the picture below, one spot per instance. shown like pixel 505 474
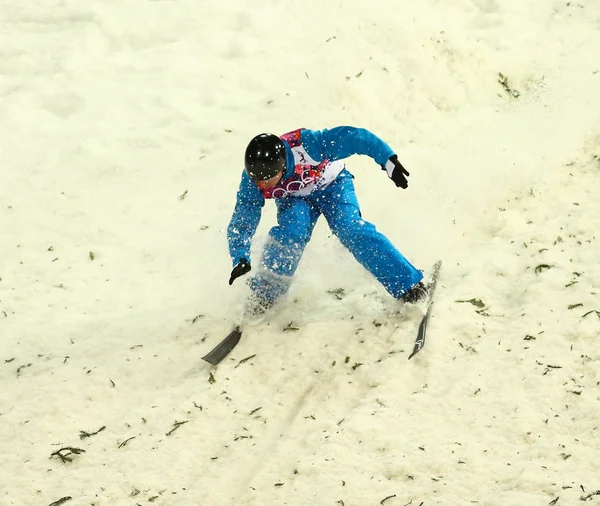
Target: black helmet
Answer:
pixel 265 157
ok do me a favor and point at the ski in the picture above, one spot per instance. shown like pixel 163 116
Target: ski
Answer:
pixel 420 342
pixel 221 350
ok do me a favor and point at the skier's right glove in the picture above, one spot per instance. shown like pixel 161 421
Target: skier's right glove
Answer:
pixel 241 268
pixel 396 172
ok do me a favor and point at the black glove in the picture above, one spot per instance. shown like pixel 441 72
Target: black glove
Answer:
pixel 242 267
pixel 396 172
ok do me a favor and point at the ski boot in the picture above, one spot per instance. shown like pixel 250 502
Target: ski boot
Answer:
pixel 416 294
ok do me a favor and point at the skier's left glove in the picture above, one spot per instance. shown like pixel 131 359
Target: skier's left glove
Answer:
pixel 396 172
pixel 241 268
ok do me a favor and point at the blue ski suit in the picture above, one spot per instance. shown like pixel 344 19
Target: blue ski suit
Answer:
pixel 316 182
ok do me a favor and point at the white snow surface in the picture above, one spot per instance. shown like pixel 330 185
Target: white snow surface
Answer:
pixel 123 125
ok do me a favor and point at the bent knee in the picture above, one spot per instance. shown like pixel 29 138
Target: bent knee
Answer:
pixel 290 237
pixel 350 230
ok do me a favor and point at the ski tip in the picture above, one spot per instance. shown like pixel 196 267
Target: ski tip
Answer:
pixel 417 349
pixel 224 347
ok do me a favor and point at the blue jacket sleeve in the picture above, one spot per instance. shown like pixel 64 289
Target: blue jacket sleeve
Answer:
pixel 245 219
pixel 344 141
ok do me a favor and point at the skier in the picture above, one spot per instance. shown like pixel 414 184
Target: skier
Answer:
pixel 304 172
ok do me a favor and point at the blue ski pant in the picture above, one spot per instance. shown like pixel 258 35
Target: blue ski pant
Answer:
pixel 296 218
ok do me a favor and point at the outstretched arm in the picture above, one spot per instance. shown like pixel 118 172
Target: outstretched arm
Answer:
pixel 344 141
pixel 245 220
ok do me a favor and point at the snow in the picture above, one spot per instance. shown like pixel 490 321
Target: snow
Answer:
pixel 123 129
